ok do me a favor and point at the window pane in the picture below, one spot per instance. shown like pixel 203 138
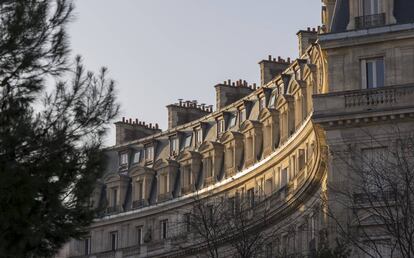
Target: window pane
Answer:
pixel 370 75
pixel 380 72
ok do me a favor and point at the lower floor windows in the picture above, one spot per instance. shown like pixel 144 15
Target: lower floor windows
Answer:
pixel 87 245
pixel 113 237
pixel 164 228
pixel 139 235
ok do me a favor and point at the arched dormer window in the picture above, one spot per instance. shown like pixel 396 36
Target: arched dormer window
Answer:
pixel 212 162
pixel 116 190
pixel 285 106
pixel 190 165
pixel 269 117
pixel 233 152
pixel 253 141
pixel 142 181
pixel 166 173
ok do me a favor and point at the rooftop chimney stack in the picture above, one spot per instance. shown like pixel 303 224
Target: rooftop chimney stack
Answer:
pixel 229 92
pixel 306 38
pixel 271 68
pixel 129 130
pixel 185 112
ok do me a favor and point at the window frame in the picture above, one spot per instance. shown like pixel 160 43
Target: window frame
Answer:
pixel 113 238
pixel 365 76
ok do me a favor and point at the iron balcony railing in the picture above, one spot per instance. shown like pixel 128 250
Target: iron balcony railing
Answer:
pixel 368 21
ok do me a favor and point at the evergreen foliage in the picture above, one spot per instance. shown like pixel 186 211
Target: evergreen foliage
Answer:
pixel 50 139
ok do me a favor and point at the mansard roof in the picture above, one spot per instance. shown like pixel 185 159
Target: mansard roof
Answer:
pixel 403 13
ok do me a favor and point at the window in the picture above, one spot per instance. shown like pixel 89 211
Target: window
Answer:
pixel 113 237
pixel 187 175
pixel 164 226
pixel 268 186
pixel 284 177
pixel 137 157
pixel 269 250
pixel 87 245
pixel 198 136
pixel 301 159
pixel 373 164
pixel 210 213
pixel 250 197
pixel 373 73
pixel 149 153
pixel 140 190
pixel 371 7
pixel 114 197
pixel 272 101
pixel 139 235
pixel 220 126
pixel 174 146
pixel 187 141
pixel 262 103
pixel 232 121
pixel 242 115
pixel 124 159
pixel 208 168
pixel 163 184
pixel 187 222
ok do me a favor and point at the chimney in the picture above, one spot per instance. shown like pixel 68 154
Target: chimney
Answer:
pixel 228 92
pixel 306 38
pixel 129 130
pixel 185 112
pixel 271 68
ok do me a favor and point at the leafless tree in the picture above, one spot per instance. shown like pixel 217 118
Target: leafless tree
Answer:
pixel 379 195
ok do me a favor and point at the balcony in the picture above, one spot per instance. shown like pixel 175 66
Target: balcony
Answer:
pixel 359 104
pixel 138 204
pixel 369 21
pixel 113 209
pixel 374 197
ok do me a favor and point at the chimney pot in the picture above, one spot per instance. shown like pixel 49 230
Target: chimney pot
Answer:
pixel 288 59
pixel 309 29
pixel 123 119
pixel 130 121
pixel 270 57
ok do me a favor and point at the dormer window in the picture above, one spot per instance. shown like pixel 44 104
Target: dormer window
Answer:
pixel 272 101
pixel 220 126
pixel 137 157
pixel 262 103
pixel 371 14
pixel 123 159
pixel 370 7
pixel 149 153
pixel 198 136
pixel 232 121
pixel 174 146
pixel 242 116
pixel 187 141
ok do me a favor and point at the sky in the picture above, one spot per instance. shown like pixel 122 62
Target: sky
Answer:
pixel 159 51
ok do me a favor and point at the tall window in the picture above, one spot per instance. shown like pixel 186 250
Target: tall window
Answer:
pixel 242 116
pixel 123 159
pixel 113 237
pixel 149 153
pixel 232 121
pixel 370 7
pixel 140 190
pixel 139 235
pixel 114 197
pixel 373 73
pixel 208 168
pixel 198 136
pixel 87 245
pixel 163 227
pixel 250 197
pixel 163 184
pixel 187 222
pixel 220 126
pixel 284 177
pixel 187 141
pixel 301 159
pixel 262 103
pixel 174 146
pixel 137 157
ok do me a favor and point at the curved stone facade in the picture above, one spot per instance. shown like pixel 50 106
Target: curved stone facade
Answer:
pixel 270 142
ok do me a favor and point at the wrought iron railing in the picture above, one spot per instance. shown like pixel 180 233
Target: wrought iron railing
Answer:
pixel 368 21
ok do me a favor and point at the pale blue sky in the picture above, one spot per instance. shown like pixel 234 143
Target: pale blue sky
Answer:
pixel 161 50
